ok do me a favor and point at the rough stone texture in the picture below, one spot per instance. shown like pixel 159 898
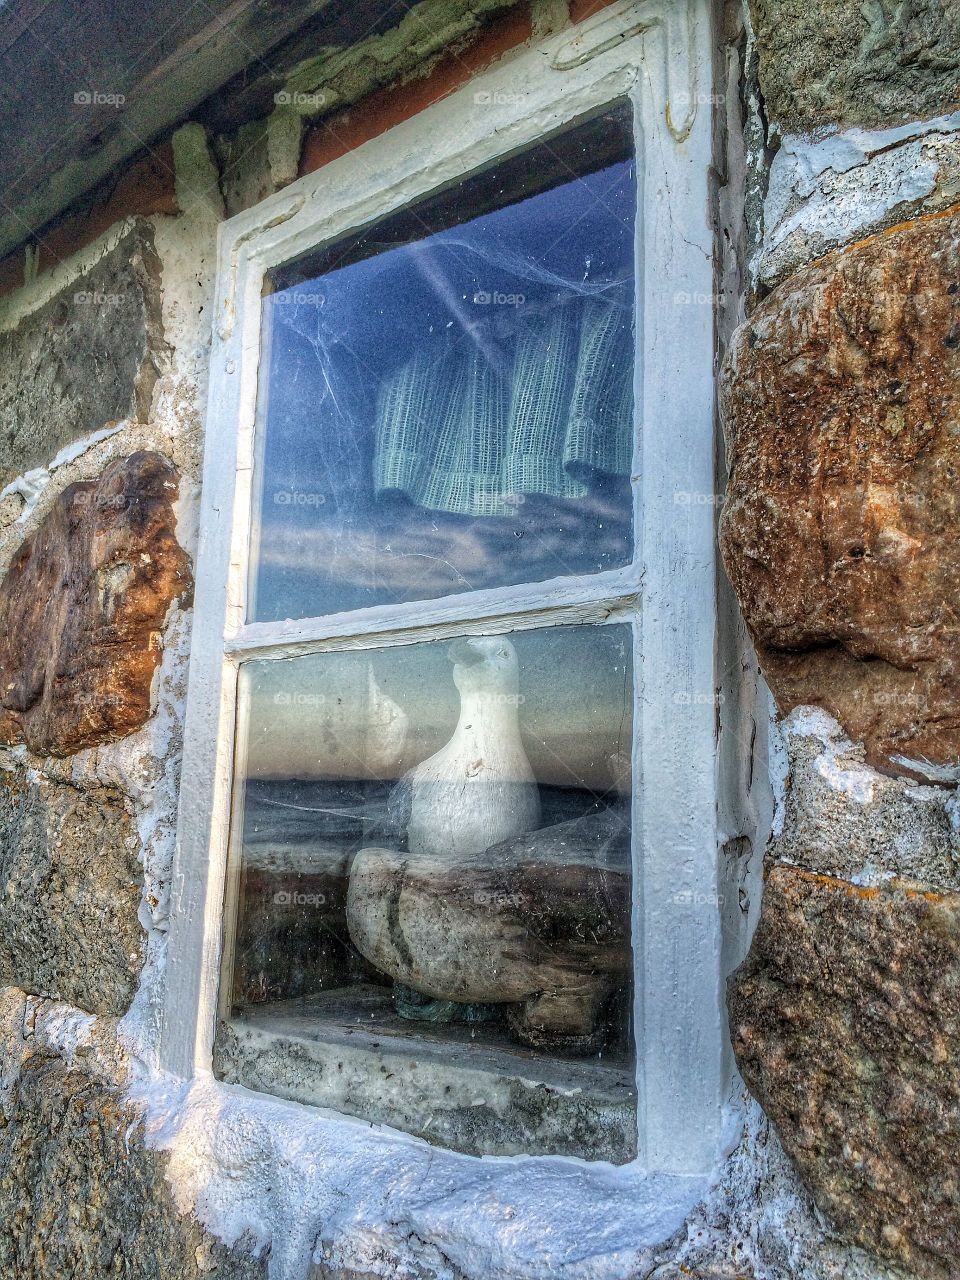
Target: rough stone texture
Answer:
pixel 842 818
pixel 444 1270
pixel 89 356
pixel 847 62
pixel 82 607
pixel 71 883
pixel 845 1019
pixel 758 1223
pixel 841 402
pixel 852 185
pixel 83 1197
pixel 260 158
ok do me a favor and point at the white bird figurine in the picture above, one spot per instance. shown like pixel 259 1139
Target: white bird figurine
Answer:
pixel 479 789
pixel 387 727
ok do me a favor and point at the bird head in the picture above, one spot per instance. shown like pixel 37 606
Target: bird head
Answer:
pixel 485 664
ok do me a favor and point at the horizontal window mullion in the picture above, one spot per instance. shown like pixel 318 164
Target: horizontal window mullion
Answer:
pixel 584 600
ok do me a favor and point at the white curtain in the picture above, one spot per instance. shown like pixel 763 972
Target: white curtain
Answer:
pixel 463 427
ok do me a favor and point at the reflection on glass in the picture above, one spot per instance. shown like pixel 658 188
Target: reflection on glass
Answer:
pixel 446 401
pixel 434 839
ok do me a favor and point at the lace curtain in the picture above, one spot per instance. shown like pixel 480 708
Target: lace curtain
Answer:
pixel 468 427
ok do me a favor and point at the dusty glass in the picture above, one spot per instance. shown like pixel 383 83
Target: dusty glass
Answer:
pixel 431 887
pixel 446 397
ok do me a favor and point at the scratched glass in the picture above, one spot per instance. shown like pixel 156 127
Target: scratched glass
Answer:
pixel 430 855
pixel 446 397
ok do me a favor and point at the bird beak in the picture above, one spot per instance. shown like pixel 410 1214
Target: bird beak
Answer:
pixel 463 654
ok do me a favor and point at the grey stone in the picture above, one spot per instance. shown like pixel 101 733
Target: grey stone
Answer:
pixel 758 1221
pixel 89 356
pixel 84 1198
pixel 844 819
pixel 259 158
pixel 845 62
pixel 807 215
pixel 71 882
pixel 845 1021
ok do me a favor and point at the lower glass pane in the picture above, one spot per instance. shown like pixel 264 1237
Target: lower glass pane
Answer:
pixel 429 905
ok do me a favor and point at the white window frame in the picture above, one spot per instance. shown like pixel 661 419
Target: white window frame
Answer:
pixel 657 53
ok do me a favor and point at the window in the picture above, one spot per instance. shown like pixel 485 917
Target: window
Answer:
pixel 447 403
pixel 433 905
pixel 448 827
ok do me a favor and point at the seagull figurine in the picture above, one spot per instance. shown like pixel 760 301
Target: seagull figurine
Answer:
pixel 475 791
pixel 479 789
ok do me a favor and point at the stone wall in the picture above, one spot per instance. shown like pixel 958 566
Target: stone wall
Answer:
pixel 103 362
pixel 839 181
pixel 839 533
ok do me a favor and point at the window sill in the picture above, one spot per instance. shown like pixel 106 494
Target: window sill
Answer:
pixel 438 1083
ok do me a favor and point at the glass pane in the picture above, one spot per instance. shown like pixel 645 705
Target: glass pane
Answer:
pixel 446 397
pixel 431 889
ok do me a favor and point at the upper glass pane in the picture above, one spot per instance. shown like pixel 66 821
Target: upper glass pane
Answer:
pixel 446 397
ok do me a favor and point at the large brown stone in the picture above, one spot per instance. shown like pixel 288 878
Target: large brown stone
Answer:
pixel 841 527
pixel 845 1020
pixel 70 887
pixel 84 1198
pixel 82 607
pixel 845 62
pixel 90 355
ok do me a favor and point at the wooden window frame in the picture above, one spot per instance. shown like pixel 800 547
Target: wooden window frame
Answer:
pixel 657 54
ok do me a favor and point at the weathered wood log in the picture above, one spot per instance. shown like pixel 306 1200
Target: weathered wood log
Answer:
pixel 541 922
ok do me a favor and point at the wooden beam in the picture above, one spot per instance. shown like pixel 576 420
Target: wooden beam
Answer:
pixel 57 150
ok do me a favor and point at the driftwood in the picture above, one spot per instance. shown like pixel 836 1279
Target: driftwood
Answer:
pixel 540 922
